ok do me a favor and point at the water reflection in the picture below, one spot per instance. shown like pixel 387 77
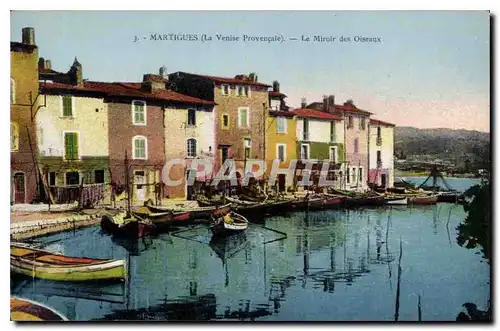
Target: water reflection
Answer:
pixel 326 258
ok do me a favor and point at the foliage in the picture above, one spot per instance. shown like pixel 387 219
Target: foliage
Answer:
pixel 475 230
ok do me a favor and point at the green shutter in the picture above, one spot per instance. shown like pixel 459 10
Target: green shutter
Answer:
pixel 71 146
pixel 67 106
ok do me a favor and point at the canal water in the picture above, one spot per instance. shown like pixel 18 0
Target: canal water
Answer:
pixel 334 265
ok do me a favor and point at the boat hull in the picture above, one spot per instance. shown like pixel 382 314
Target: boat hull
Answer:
pixel 397 201
pixel 23 310
pixel 423 200
pixel 133 229
pixel 45 265
pixel 224 229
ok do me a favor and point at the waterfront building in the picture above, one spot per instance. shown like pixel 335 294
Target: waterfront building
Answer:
pixel 24 99
pixel 381 153
pixel 239 115
pixel 356 133
pixel 320 136
pixel 280 131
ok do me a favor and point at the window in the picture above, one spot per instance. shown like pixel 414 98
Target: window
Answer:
pixel 98 176
pixel 224 153
pixel 138 112
pixel 247 144
pixel 14 137
pixel 191 147
pixel 353 174
pixel 349 122
pixel 239 90
pixel 379 159
pixel 362 124
pixel 281 152
pixel 191 117
pixel 51 179
pixel 356 145
pixel 225 121
pixel 332 131
pixel 304 152
pixel 225 89
pixel 360 175
pixel 72 178
pixel 379 136
pixel 333 154
pixel 244 117
pixel 347 176
pixel 12 91
pixel 71 145
pixel 246 91
pixel 67 105
pixel 305 128
pixel 140 148
pixel 281 125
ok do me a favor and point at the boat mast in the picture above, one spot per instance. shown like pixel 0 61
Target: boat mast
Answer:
pixel 127 182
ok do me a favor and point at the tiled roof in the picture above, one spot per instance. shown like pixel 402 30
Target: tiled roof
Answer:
pixel 282 113
pixel 126 90
pixel 316 114
pixel 375 121
pixel 351 108
pixel 48 71
pixel 277 94
pixel 227 80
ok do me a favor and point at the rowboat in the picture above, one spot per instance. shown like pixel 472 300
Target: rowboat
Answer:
pixel 194 213
pixel 42 264
pixel 231 223
pixel 423 200
pixel 131 227
pixel 24 310
pixel 396 201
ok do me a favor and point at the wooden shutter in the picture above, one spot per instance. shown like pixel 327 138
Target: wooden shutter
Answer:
pixel 71 145
pixel 67 106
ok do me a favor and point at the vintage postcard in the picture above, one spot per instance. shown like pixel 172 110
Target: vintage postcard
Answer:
pixel 250 166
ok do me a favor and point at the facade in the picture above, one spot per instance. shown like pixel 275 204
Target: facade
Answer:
pixel 356 134
pixel 320 136
pixel 381 154
pixel 239 116
pixel 24 98
pixel 156 123
pixel 72 130
pixel 280 130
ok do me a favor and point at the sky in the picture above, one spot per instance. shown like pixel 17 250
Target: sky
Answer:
pixel 429 70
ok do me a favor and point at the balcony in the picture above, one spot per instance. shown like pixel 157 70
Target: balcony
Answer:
pixel 379 141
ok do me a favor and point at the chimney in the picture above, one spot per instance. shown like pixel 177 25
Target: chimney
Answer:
pixel 325 103
pixel 252 77
pixel 276 86
pixel 76 73
pixel 163 72
pixel 303 103
pixel 41 63
pixel 48 64
pixel 28 36
pixel 152 82
pixel 331 103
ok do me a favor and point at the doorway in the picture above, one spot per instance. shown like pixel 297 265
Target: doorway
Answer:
pixel 19 188
pixel 140 181
pixel 383 180
pixel 281 182
pixel 190 193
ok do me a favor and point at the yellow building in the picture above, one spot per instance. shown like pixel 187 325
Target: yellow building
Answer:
pixel 280 132
pixel 24 99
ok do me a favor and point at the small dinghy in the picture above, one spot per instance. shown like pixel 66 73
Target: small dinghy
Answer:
pixel 229 224
pixel 23 310
pixel 129 227
pixel 42 264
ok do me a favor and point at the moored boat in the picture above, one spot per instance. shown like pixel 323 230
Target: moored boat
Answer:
pixel 194 213
pixel 396 201
pixel 130 227
pixel 42 264
pixel 423 200
pixel 451 197
pixel 24 310
pixel 231 223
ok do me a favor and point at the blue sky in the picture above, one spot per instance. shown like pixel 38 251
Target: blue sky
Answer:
pixel 430 70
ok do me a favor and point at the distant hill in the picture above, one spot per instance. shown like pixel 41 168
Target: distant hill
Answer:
pixel 452 145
